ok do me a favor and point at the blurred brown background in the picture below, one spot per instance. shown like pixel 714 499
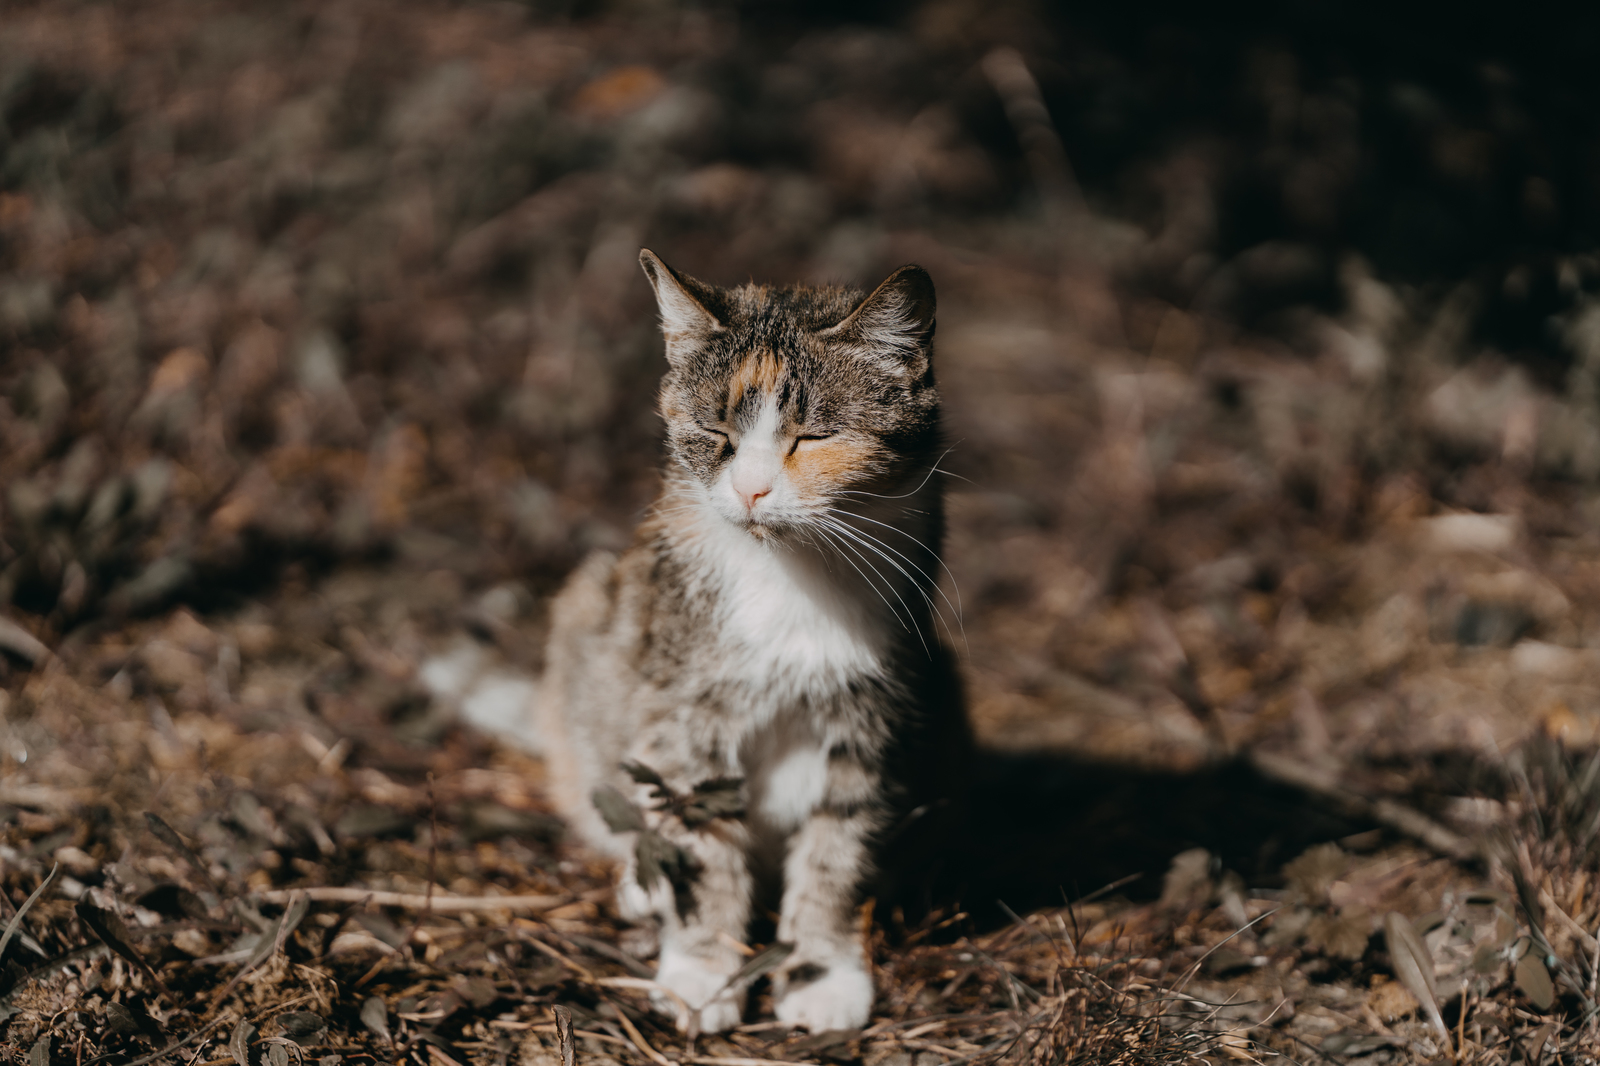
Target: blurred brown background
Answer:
pixel 1267 337
pixel 1271 355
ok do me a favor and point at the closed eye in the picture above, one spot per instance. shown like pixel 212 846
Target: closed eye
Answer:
pixel 807 438
pixel 721 436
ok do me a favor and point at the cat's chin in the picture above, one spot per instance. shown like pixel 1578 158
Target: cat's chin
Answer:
pixel 774 533
pixel 766 531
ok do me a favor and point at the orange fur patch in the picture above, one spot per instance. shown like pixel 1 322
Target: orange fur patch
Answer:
pixel 759 371
pixel 824 465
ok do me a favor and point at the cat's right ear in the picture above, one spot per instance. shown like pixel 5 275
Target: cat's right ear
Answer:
pixel 896 319
pixel 686 317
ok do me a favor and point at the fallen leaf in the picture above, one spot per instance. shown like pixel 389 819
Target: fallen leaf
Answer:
pixel 1413 965
pixel 109 928
pixel 375 1016
pixel 239 1042
pixel 1534 980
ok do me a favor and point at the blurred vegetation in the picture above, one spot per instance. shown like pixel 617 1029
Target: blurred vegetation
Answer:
pixel 1271 355
pixel 292 283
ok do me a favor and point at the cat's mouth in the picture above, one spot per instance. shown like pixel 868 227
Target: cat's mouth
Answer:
pixel 769 528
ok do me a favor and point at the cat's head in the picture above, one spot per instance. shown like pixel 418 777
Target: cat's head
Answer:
pixel 785 403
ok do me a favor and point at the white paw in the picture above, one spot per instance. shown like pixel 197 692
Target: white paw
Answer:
pixel 634 904
pixel 700 985
pixel 839 999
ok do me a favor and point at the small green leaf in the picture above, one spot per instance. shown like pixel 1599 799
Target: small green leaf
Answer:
pixel 1534 980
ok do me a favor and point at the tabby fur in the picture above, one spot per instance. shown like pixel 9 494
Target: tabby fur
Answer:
pixel 773 622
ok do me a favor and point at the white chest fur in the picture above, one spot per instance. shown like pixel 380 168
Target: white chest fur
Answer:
pixel 793 624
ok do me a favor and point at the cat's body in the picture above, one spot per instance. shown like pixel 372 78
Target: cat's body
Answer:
pixel 773 623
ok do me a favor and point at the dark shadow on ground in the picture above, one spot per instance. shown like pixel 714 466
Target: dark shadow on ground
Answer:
pixel 1049 829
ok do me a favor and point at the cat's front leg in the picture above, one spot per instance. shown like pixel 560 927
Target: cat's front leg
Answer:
pixel 697 885
pixel 702 927
pixel 827 982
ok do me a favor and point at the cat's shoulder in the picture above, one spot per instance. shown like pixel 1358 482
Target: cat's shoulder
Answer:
pixel 609 583
pixel 588 599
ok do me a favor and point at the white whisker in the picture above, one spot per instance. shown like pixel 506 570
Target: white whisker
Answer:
pixel 955 608
pixel 869 543
pixel 856 537
pixel 867 537
pixel 841 540
pixel 905 622
pixel 934 469
pixel 896 529
pixel 952 473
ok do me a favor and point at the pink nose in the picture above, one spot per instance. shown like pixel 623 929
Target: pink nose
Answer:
pixel 750 497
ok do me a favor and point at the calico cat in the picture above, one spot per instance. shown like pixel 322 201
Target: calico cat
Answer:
pixel 768 637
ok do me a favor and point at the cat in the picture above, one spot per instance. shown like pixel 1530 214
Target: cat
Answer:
pixel 770 639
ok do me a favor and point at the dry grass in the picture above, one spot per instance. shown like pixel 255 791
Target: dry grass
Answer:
pixel 325 348
pixel 366 897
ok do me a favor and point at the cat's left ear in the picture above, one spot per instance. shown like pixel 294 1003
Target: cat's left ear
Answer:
pixel 685 304
pixel 897 318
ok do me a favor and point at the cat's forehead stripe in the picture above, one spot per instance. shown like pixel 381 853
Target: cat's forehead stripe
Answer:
pixel 758 375
pixel 759 371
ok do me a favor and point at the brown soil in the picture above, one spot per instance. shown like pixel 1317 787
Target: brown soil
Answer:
pixel 325 349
